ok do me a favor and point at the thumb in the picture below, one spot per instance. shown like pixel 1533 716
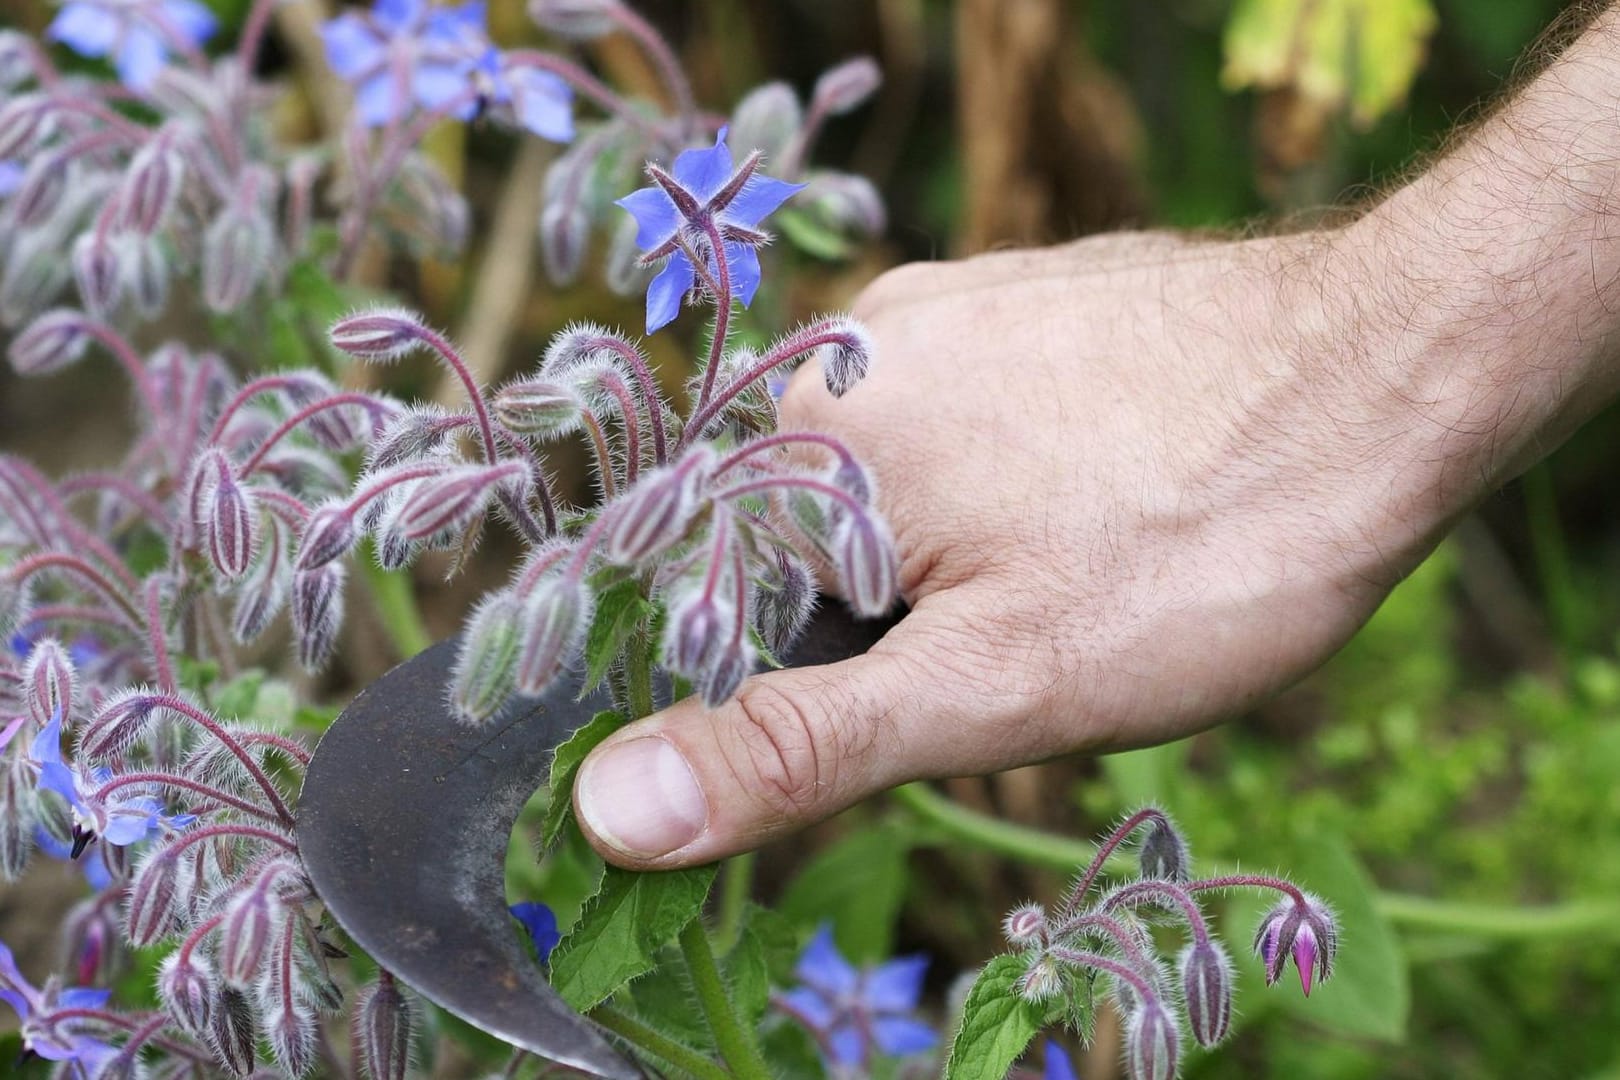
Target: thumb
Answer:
pixel 691 785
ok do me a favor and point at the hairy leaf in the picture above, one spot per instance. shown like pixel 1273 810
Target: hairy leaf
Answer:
pixel 565 763
pixel 997 1024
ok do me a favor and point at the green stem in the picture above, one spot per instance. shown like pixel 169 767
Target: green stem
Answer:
pixel 395 598
pixel 1496 921
pixel 736 887
pixel 1550 552
pixel 656 1043
pixel 736 1043
pixel 638 674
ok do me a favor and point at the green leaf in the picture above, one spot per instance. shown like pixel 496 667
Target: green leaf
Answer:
pixel 857 884
pixel 748 978
pixel 1360 53
pixel 997 1024
pixel 622 929
pixel 620 612
pixel 813 237
pixel 665 999
pixel 565 763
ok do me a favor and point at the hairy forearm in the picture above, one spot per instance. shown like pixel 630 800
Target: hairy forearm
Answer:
pixel 1491 319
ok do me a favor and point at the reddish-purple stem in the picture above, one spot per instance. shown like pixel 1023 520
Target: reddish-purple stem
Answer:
pixel 175 703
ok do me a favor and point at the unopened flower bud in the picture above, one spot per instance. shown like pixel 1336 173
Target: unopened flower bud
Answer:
pixel 556 616
pixel 1305 931
pixel 382 1029
pixel 767 119
pixel 244 936
pixel 1042 980
pixel 291 1031
pixel 786 600
pixel 25 122
pixel 48 680
pixel 146 274
pixel 16 59
pixel 846 202
pixel 658 512
pixel 1206 987
pixel 99 273
pixel 328 535
pixel 845 361
pixel 486 665
pixel 231 1032
pixel 152 185
pixel 19 812
pixel 50 343
pixel 237 249
pixel 1164 853
pixel 1025 925
pixel 621 267
pixel 697 628
pixel 864 557
pixel 579 20
pixel 155 900
pixel 91 942
pixel 34 274
pixel 37 197
pixel 1152 1042
pixel 409 435
pixel 228 519
pixel 380 335
pixel 118 722
pixel 449 502
pixel 317 612
pixel 564 233
pixel 537 407
pixel 186 986
pixel 727 670
pixel 847 86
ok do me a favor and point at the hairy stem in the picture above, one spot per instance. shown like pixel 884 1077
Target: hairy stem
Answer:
pixel 737 1045
pixel 658 1044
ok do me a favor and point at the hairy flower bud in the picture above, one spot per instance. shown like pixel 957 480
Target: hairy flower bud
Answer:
pixel 1025 925
pixel 186 986
pixel 564 233
pixel 621 267
pixel 579 20
pixel 556 616
pixel 146 272
pixel 117 724
pixel 847 86
pixel 486 665
pixel 537 407
pixel 152 184
pixel 767 119
pixel 382 1028
pixel 380 335
pixel 410 435
pixel 155 899
pixel 40 192
pixel 328 535
pixel 99 273
pixel 785 602
pixel 658 512
pixel 448 503
pixel 1306 931
pixel 846 202
pixel 19 812
pixel 846 360
pixel 229 517
pixel 863 554
pixel 1042 981
pixel 48 681
pixel 237 250
pixel 700 623
pixel 733 664
pixel 1164 853
pixel 50 343
pixel 231 1033
pixel 317 612
pixel 1152 1042
pixel 1206 987
pixel 291 1031
pixel 25 122
pixel 244 936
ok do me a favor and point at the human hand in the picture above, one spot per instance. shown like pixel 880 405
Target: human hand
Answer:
pixel 1137 484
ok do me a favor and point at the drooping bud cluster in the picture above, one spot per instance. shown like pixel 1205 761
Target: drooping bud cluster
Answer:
pixel 1107 933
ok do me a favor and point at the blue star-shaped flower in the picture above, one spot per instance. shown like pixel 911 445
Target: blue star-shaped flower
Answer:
pixel 703 196
pixel 853 1012
pixel 121 820
pixel 403 54
pixel 34 1006
pixel 138 35
pixel 541 923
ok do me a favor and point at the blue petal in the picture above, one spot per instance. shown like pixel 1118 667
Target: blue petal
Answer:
pixel 125 829
pixel 846 1045
pixel 655 214
pixel 47 747
pixel 543 104
pixel 822 966
pixel 898 1036
pixel 1058 1065
pixel 896 985
pixel 744 263
pixel 83 998
pixel 84 28
pixel 809 1007
pixel 15 990
pixel 379 100
pixel 541 923
pixel 704 172
pixel 667 290
pixel 759 197
pixel 141 56
pixel 352 48
pixel 190 18
pixel 398 16
pixel 96 873
pixel 437 85
pixel 54 776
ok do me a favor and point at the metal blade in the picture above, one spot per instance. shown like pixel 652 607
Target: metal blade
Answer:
pixel 403 825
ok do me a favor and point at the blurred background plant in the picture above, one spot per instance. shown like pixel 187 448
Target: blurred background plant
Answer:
pixel 1462 750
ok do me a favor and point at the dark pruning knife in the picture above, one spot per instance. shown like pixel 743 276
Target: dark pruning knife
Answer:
pixel 403 825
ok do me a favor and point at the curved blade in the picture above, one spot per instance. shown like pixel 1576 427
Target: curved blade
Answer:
pixel 403 825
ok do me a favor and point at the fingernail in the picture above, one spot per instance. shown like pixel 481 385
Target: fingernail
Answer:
pixel 641 798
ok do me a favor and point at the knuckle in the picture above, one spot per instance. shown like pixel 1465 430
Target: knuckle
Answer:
pixel 781 755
